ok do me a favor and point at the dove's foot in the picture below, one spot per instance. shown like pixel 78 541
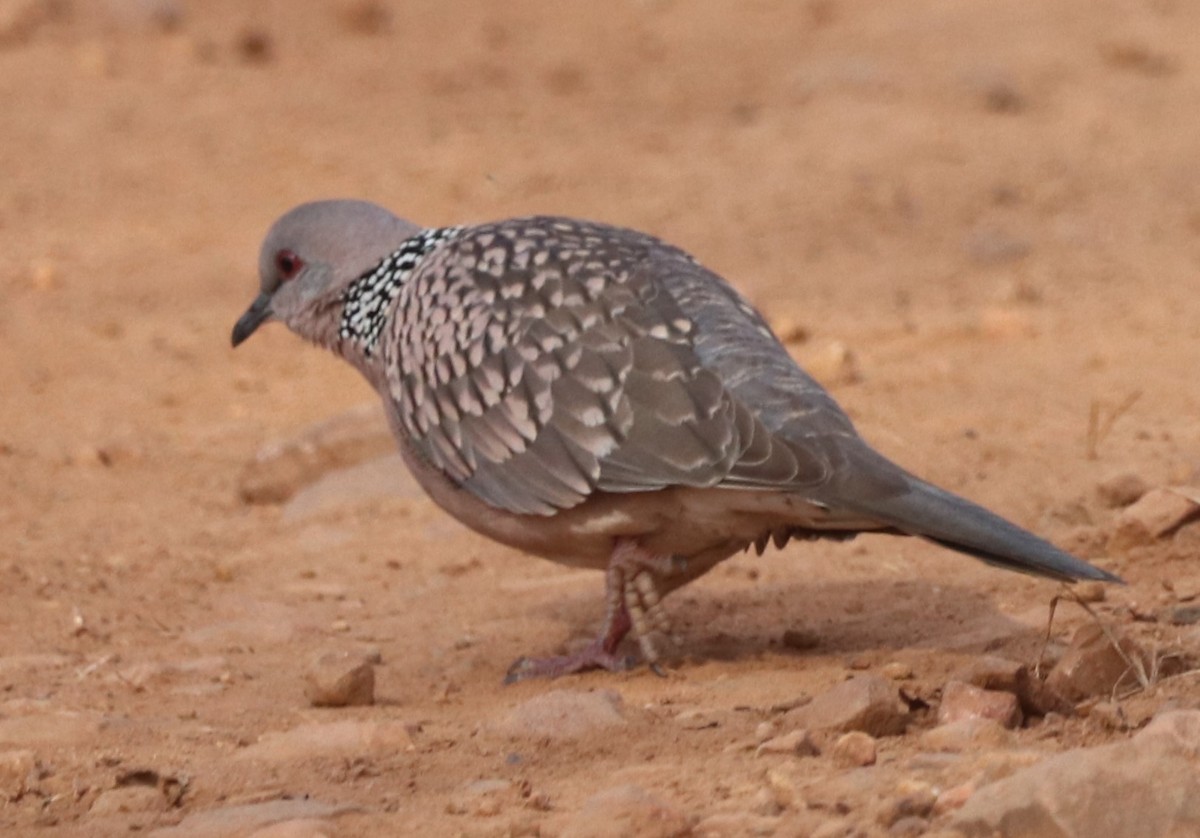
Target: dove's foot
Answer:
pixel 633 601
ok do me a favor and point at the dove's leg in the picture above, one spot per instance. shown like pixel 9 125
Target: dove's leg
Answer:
pixel 632 600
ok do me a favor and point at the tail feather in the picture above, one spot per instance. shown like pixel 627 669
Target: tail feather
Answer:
pixel 915 507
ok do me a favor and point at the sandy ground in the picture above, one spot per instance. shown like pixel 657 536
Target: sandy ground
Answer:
pixel 980 223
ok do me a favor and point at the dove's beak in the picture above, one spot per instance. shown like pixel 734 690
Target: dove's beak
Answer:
pixel 255 316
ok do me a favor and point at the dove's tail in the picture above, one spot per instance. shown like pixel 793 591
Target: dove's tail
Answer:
pixel 882 490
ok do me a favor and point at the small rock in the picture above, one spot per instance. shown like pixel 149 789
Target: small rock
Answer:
pixel 244 819
pixel 795 743
pixel 991 672
pixel 908 827
pixel 993 246
pixel 835 829
pixel 564 714
pixel 1182 615
pixel 853 750
pixel 1109 714
pixel 917 803
pixel 296 828
pixel 39 729
pixel 790 329
pixel 1155 515
pixel 1142 788
pixel 1121 489
pixel 867 703
pixel 765 803
pixel 1093 666
pixel 339 679
pixel 347 738
pixel 897 671
pixel 281 469
pixel 255 46
pixel 481 798
pixel 736 825
pixel 697 719
pixel 43 275
pixel 1040 699
pixel 801 639
pixel 955 797
pixel 19 19
pixel 964 701
pixel 382 478
pixel 627 810
pixel 786 784
pixel 18 773
pixel 833 364
pixel 1179 729
pixel 365 17
pixel 765 730
pixel 966 735
pixel 129 799
pixel 1005 322
pixel 1090 591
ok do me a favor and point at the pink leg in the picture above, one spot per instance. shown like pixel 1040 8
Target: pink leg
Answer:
pixel 632 601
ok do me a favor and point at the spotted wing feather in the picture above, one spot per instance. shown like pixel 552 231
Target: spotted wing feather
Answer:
pixel 537 361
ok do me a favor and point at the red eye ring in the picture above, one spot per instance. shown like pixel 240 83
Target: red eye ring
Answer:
pixel 288 264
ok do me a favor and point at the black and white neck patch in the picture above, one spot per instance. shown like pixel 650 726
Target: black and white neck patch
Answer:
pixel 365 301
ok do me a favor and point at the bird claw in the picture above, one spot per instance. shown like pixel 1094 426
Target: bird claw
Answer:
pixel 633 601
pixel 592 657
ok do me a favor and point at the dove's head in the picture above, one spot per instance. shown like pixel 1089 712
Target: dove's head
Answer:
pixel 308 259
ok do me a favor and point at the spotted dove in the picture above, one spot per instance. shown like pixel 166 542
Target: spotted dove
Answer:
pixel 595 396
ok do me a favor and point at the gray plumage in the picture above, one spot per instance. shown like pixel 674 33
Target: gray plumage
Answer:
pixel 567 387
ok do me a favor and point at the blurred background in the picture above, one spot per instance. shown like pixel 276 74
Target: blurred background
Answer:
pixel 978 223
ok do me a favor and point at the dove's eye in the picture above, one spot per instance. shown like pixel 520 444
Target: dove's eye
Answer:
pixel 288 264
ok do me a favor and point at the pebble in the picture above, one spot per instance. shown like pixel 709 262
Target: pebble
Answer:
pixel 995 246
pixel 1155 515
pixel 897 671
pixel 867 703
pixel 965 701
pixel 627 810
pixel 282 468
pixel 991 672
pixel 348 737
pixel 1121 489
pixel 564 714
pixel 129 799
pixel 908 827
pixel 854 750
pixel 296 828
pixel 765 803
pixel 365 17
pixel 63 728
pixel 338 678
pixel 1005 322
pixel 1182 615
pixel 1092 665
pixel 795 743
pixel 481 798
pixel 735 825
pixel 916 802
pixel 801 639
pixel 786 784
pixel 382 478
pixel 19 773
pixel 834 364
pixel 790 329
pixel 1140 788
pixel 966 735
pixel 246 818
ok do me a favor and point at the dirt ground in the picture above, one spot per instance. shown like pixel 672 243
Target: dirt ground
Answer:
pixel 979 223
